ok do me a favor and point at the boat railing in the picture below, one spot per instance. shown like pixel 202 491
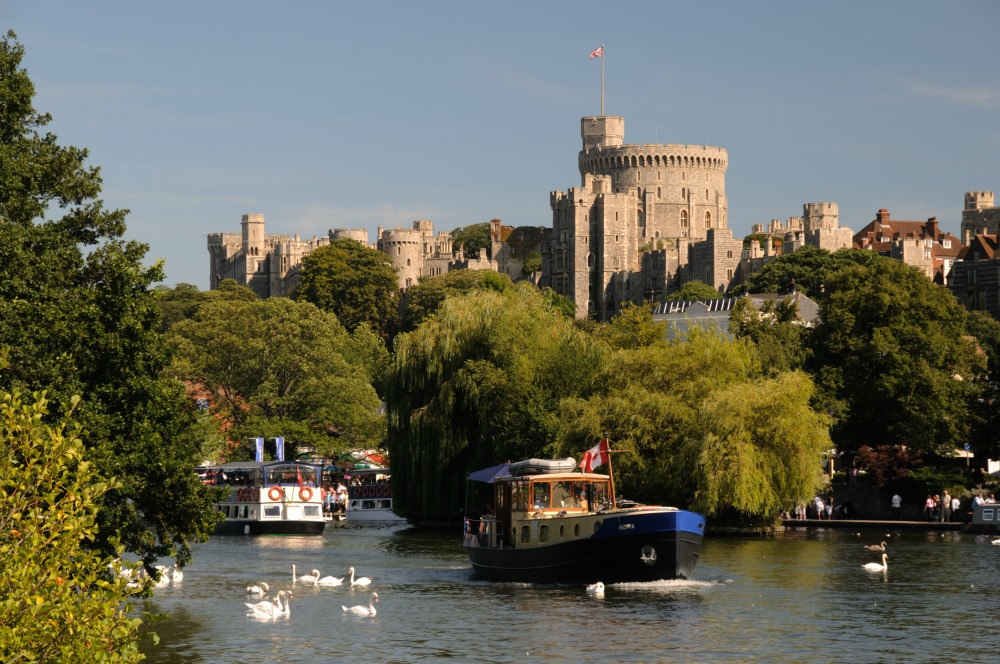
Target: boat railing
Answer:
pixel 485 532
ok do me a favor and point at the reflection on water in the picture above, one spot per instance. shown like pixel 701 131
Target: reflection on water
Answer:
pixel 799 597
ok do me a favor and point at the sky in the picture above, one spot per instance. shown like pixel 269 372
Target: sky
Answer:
pixel 323 114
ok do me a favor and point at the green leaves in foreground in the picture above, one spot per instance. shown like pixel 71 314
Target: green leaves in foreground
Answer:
pixel 58 603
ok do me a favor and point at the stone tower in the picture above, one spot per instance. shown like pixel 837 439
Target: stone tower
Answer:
pixel 631 199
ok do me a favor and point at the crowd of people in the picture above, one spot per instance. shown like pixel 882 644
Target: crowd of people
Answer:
pixel 940 508
pixel 334 499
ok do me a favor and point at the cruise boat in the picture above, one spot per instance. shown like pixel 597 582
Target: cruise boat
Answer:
pixel 268 498
pixel 369 496
pixel 543 522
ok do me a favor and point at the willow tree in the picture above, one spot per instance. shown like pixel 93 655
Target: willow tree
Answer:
pixel 756 449
pixel 477 384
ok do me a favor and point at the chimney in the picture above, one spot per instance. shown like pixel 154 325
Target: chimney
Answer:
pixel 883 216
pixel 932 228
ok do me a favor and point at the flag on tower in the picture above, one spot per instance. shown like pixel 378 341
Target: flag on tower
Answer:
pixel 597 52
pixel 595 456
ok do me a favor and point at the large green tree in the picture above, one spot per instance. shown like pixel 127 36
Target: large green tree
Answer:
pixel 57 601
pixel 77 317
pixel 694 291
pixel 353 281
pixel 808 269
pixel 478 384
pixel 892 357
pixel 472 239
pixel 422 300
pixel 278 367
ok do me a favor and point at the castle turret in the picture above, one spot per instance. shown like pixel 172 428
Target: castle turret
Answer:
pixel 602 131
pixel 253 234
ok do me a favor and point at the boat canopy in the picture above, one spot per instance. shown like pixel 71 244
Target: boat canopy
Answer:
pixel 489 475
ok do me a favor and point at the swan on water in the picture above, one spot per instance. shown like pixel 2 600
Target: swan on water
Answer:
pixel 996 541
pixel 875 567
pixel 260 588
pixel 876 547
pixel 308 578
pixel 268 609
pixel 361 610
pixel 596 588
pixel 330 581
pixel 360 581
pixel 176 574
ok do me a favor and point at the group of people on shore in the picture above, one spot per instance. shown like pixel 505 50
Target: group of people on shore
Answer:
pixel 945 508
pixel 334 499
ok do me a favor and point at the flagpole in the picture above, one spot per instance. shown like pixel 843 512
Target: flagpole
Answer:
pixel 602 89
pixel 611 471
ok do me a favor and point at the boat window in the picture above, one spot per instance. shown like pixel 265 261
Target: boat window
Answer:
pixel 576 530
pixel 541 495
pixel 272 511
pixel 525 534
pixel 519 495
pixel 562 495
pixel 579 490
pixel 311 510
pixel 562 532
pixel 543 534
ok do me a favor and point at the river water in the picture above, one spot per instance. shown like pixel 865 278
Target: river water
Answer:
pixel 798 597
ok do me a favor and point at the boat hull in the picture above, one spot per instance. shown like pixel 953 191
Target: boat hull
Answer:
pixel 250 527
pixel 630 546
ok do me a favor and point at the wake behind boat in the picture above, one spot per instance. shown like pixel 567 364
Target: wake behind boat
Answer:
pixel 541 522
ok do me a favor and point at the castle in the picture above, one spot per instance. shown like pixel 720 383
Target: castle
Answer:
pixel 270 264
pixel 648 218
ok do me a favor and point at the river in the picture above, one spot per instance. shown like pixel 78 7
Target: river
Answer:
pixel 798 597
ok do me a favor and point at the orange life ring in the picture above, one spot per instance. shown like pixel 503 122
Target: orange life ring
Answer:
pixel 275 493
pixel 305 493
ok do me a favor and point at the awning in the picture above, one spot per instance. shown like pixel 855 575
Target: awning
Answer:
pixel 489 474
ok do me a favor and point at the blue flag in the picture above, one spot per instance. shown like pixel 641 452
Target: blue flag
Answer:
pixel 279 448
pixel 259 440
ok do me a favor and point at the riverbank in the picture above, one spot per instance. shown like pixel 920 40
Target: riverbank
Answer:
pixel 876 524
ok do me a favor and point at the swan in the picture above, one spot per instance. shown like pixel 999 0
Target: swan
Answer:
pixel 308 578
pixel 876 547
pixel 360 581
pixel 596 588
pixel 269 609
pixel 875 567
pixel 162 577
pixel 361 610
pixel 996 541
pixel 258 589
pixel 176 574
pixel 329 581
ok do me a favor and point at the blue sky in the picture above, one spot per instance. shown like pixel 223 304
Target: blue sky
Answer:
pixel 327 115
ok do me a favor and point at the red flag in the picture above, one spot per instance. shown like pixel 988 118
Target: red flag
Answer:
pixel 595 456
pixel 597 52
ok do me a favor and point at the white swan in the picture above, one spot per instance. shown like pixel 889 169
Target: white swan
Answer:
pixel 176 574
pixel 268 609
pixel 361 610
pixel 329 581
pixel 258 589
pixel 996 541
pixel 162 577
pixel 596 588
pixel 308 578
pixel 360 581
pixel 876 547
pixel 875 567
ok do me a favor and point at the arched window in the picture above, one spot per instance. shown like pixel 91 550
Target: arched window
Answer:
pixel 684 193
pixel 407 262
pixel 708 220
pixel 684 218
pixel 658 192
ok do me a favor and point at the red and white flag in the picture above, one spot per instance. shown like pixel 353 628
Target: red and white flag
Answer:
pixel 595 456
pixel 597 52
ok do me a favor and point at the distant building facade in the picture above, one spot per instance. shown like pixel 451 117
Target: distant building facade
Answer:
pixel 921 244
pixel 975 278
pixel 980 216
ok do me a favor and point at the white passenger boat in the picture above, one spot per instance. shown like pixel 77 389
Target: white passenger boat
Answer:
pixel 369 496
pixel 272 498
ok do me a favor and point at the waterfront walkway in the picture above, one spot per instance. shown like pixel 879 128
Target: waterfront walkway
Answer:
pixel 870 524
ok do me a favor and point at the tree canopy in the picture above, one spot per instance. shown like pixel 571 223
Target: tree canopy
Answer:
pixel 356 283
pixel 694 291
pixel 422 300
pixel 891 358
pixel 277 367
pixel 472 238
pixel 808 268
pixel 77 317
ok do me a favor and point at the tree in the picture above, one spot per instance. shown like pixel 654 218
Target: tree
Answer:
pixel 277 367
pixel 892 361
pixel 985 435
pixel 57 601
pixel 471 239
pixel 356 283
pixel 633 327
pixel 694 291
pixel 476 384
pixel 77 317
pixel 807 268
pixel 422 300
pixel 778 335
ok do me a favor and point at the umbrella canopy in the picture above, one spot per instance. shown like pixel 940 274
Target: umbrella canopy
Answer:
pixel 489 474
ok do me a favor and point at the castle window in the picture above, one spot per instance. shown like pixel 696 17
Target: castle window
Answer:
pixel 399 250
pixel 616 237
pixel 684 193
pixel 729 254
pixel 684 218
pixel 706 194
pixel 658 189
pixel 407 262
pixel 708 220
pixel 656 234
pixel 729 274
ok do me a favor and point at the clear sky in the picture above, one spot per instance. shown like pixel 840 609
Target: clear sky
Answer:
pixel 330 114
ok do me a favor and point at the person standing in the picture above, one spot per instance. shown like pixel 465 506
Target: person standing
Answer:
pixel 897 507
pixel 929 508
pixel 956 509
pixel 946 507
pixel 820 511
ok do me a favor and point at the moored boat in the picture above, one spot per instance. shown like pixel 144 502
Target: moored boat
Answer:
pixel 275 498
pixel 369 496
pixel 567 527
